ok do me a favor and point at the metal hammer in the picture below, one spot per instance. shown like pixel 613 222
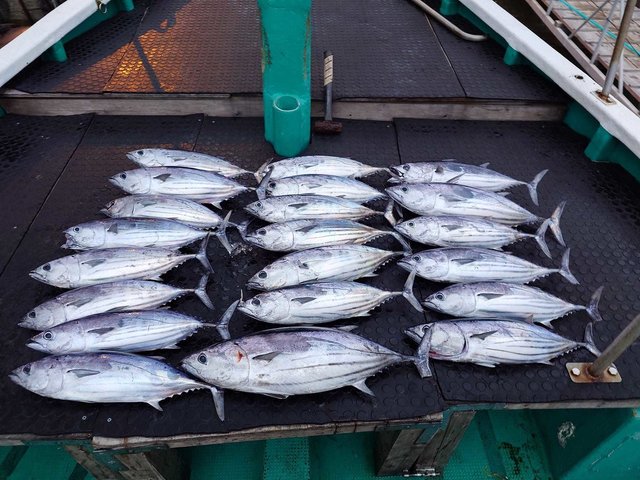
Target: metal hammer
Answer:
pixel 328 126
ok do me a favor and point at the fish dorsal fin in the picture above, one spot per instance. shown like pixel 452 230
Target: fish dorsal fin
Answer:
pixel 100 331
pixel 162 177
pixel 362 386
pixel 490 296
pixel 267 357
pixel 80 302
pixel 485 165
pixel 155 404
pixel 113 228
pixel 303 300
pixel 298 205
pixel 83 372
pixel 483 335
pixel 95 262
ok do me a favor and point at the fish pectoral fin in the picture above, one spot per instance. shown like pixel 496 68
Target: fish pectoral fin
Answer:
pixel 279 396
pixel 303 300
pixel 155 404
pixel 483 335
pixel 306 228
pixel 147 203
pixel 267 357
pixel 95 262
pixel 485 165
pixel 113 228
pixel 163 178
pixel 463 261
pixel 80 302
pixel 298 205
pixel 369 275
pixel 451 228
pixel 489 296
pixel 362 386
pixel 83 372
pixel 157 357
pixel 100 331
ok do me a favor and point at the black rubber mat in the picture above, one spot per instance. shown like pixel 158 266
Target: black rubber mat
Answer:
pixel 382 48
pixel 193 46
pixel 601 224
pixel 93 58
pixel 33 152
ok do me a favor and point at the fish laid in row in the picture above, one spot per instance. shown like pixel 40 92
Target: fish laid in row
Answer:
pixel 162 157
pixel 120 296
pixel 335 263
pixel 163 206
pixel 506 301
pixel 493 342
pixel 327 185
pixel 316 165
pixel 107 377
pixel 102 266
pixel 455 231
pixel 446 199
pixel 304 234
pixel 198 185
pixel 461 174
pixel 467 265
pixel 297 361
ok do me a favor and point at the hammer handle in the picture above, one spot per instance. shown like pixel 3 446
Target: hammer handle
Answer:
pixel 328 85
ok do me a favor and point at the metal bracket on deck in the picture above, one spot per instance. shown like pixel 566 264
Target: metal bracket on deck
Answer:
pixel 579 373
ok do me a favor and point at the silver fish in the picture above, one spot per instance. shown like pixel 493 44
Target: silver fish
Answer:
pixel 506 301
pixel 455 231
pixel 297 361
pixel 317 165
pixel 336 263
pixel 327 185
pixel 162 157
pixel 321 302
pixel 105 378
pixel 102 266
pixel 493 342
pixel 162 206
pixel 462 174
pixel 125 232
pixel 204 187
pixel 466 265
pixel 122 296
pixel 308 207
pixel 446 199
pixel 141 331
pixel 305 234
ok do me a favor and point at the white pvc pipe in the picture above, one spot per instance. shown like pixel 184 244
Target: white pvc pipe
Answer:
pixel 32 43
pixel 615 118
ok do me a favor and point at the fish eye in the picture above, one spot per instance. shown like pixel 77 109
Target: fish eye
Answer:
pixel 406 168
pixel 405 189
pixel 123 175
pixel 27 369
pixel 76 229
pixel 411 224
pixel 140 152
pixel 46 267
pixel 47 335
pixel 416 258
pixel 32 314
pixel 262 231
pixel 262 274
pixel 202 358
pixel 440 296
pixel 255 302
pixel 272 184
pixel 259 204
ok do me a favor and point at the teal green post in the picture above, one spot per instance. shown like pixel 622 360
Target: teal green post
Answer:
pixel 3 112
pixel 286 74
pixel 449 7
pixel 125 5
pixel 57 52
pixel 513 57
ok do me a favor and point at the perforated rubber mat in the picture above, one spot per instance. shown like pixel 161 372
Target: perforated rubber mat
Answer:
pixel 601 225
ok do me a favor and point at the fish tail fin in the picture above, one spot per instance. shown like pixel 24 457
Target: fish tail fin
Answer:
pixel 218 401
pixel 564 268
pixel 221 233
pixel 242 228
pixel 554 223
pixel 260 172
pixel 592 308
pixel 223 324
pixel 261 191
pixel 533 186
pixel 539 236
pixel 405 245
pixel 201 291
pixel 388 213
pixel 407 292
pixel 589 343
pixel 202 255
pixel 421 359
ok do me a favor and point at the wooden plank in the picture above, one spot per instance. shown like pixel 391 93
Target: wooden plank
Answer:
pixel 154 465
pixel 425 462
pixel 396 451
pixel 97 469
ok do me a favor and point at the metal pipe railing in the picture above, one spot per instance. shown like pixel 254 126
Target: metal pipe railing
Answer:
pixel 617 49
pixel 625 338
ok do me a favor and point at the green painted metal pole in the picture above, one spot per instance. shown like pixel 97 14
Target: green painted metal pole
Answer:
pixel 286 74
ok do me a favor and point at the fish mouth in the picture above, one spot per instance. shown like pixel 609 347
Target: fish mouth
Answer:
pixel 114 181
pixel 393 194
pixel 410 332
pixel 25 324
pixel 429 304
pixel 254 285
pixel 105 211
pixel 132 156
pixel 15 378
pixel 37 276
pixel 396 172
pixel 406 264
pixel 36 346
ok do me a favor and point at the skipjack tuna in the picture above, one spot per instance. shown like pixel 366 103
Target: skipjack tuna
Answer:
pixel 308 207
pixel 163 206
pixel 465 265
pixel 102 266
pixel 204 187
pixel 448 171
pixel 304 234
pixel 297 361
pixel 316 165
pixel 506 301
pixel 161 157
pixel 327 185
pixel 141 331
pixel 121 296
pixel 446 199
pixel 454 231
pixel 321 302
pixel 336 263
pixel 493 342
pixel 106 378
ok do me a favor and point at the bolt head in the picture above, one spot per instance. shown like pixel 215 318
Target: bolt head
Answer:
pixel 612 371
pixel 575 371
